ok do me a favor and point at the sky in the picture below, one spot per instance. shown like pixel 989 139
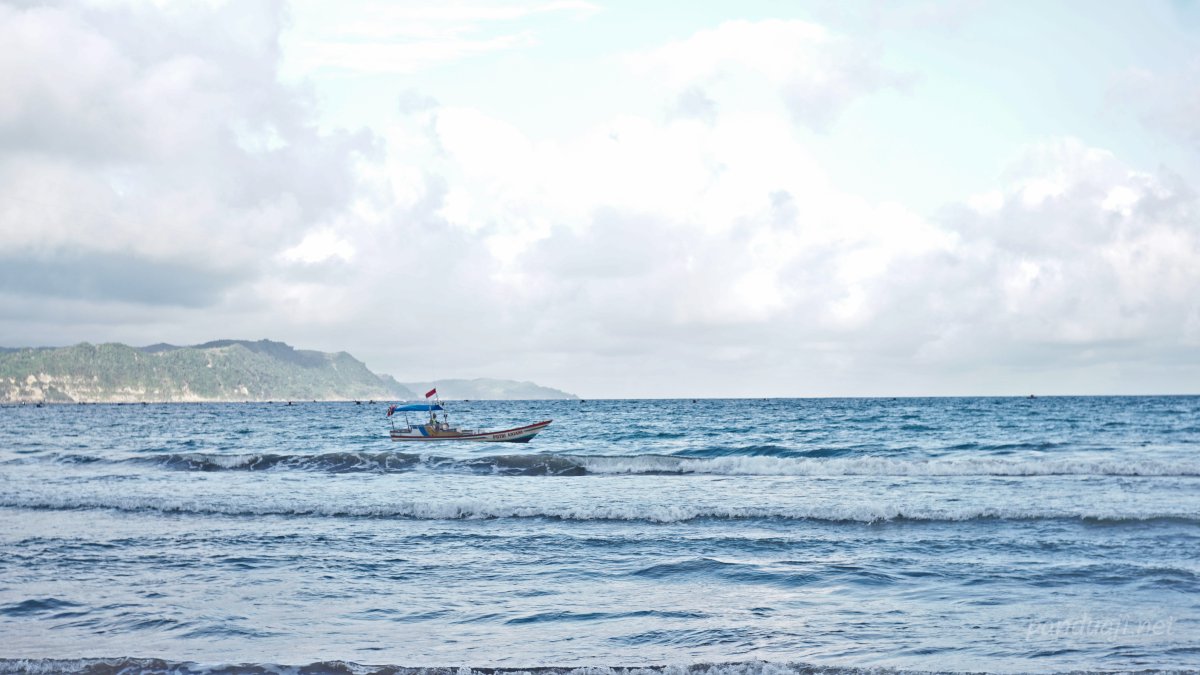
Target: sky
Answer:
pixel 618 199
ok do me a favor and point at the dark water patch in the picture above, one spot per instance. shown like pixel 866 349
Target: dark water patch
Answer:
pixel 35 606
pixel 154 624
pixel 859 575
pixel 1115 575
pixel 67 459
pixel 116 617
pixel 522 465
pixel 226 632
pixel 691 566
pixel 73 458
pixel 335 462
pixel 546 617
pixel 728 571
pixel 627 436
pixel 489 617
pixel 765 450
pixel 377 462
pixel 694 637
pixel 243 562
pixel 399 615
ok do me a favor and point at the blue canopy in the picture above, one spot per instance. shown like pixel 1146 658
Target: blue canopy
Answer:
pixel 418 407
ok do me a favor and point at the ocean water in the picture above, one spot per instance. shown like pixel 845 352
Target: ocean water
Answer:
pixel 769 537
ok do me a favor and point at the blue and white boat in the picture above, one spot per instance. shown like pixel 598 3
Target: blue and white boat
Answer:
pixel 440 429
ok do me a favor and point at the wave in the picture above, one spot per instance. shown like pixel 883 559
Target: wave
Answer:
pixel 883 466
pixel 35 606
pixel 479 509
pixel 764 450
pixel 334 462
pixel 117 666
pixel 724 465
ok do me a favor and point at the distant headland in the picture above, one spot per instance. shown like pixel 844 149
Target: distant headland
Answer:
pixel 221 370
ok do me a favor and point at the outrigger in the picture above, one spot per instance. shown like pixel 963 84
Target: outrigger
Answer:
pixel 436 429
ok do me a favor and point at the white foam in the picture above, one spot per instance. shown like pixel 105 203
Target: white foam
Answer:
pixel 480 509
pixel 884 466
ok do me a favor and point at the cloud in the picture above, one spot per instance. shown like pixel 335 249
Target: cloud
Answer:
pixel 161 183
pixel 695 104
pixel 641 234
pixel 709 250
pixel 815 72
pixel 413 101
pixel 92 275
pixel 319 246
pixel 1166 102
pixel 675 243
pixel 1079 257
pixel 405 38
pixel 160 140
pixel 402 57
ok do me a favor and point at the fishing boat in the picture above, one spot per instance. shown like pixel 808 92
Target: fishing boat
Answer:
pixel 440 429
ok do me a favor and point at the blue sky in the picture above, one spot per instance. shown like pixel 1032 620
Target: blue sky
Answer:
pixel 618 199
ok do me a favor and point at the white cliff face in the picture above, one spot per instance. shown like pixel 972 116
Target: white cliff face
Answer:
pixel 72 388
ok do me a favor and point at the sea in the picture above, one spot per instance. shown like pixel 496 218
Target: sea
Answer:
pixel 684 537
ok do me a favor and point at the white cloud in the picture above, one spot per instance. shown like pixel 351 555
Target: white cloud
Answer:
pixel 319 246
pixel 1082 252
pixel 405 38
pixel 1078 260
pixel 403 57
pixel 815 73
pixel 640 231
pixel 157 139
pixel 1167 102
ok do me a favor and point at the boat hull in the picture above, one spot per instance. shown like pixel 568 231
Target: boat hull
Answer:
pixel 420 434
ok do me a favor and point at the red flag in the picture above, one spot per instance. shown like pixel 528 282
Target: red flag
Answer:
pixel 391 409
pixel 431 392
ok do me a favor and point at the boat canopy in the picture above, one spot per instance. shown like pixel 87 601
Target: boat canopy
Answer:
pixel 419 407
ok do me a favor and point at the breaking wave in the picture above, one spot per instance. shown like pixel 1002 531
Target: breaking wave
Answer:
pixel 727 465
pixel 881 466
pixel 481 509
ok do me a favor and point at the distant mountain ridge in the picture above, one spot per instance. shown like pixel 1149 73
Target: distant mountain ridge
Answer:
pixel 224 370
pixel 220 370
pixel 489 389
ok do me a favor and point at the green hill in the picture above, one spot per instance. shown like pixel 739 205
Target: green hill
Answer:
pixel 224 370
